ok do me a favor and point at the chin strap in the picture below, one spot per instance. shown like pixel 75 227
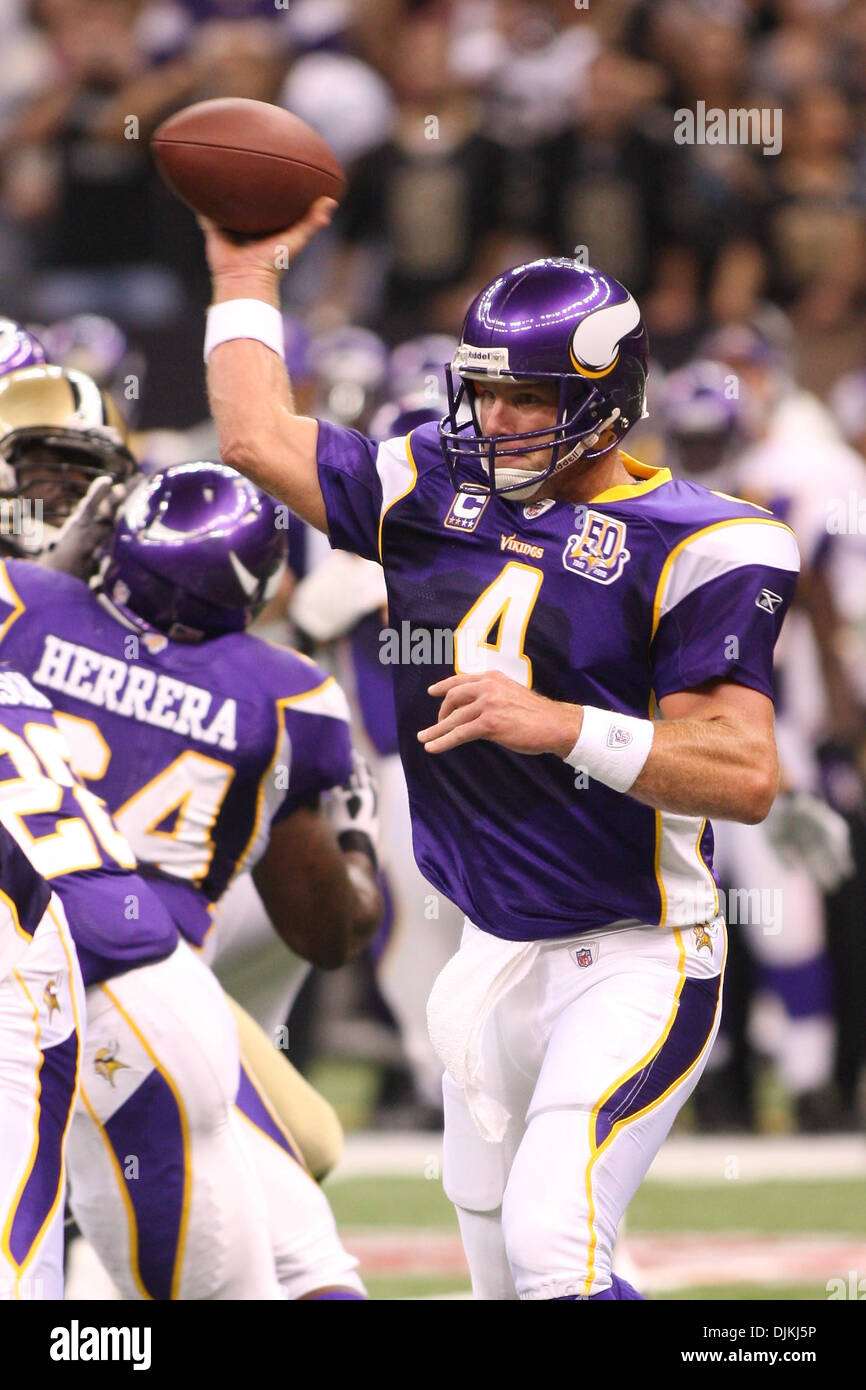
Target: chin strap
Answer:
pixel 505 477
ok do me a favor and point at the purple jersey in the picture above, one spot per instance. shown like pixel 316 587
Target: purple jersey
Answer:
pixel 117 923
pixel 644 591
pixel 196 749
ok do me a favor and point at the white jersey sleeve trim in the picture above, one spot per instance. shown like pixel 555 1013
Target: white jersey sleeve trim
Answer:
pixel 397 474
pixel 688 889
pixel 327 698
pixel 716 551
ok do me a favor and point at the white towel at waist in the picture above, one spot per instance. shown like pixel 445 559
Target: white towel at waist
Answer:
pixel 463 997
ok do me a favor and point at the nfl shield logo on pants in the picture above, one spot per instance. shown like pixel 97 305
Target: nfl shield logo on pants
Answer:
pixel 585 955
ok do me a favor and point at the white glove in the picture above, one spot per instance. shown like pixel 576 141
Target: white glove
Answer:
pixel 805 830
pixel 76 545
pixel 336 595
pixel 353 809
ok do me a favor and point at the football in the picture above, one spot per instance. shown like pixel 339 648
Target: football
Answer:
pixel 251 167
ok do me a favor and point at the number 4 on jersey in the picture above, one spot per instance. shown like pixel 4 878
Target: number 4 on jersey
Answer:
pixel 491 635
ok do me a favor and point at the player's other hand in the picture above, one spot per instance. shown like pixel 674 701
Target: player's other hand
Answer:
pixel 806 830
pixel 81 537
pixel 493 706
pixel 353 809
pixel 230 256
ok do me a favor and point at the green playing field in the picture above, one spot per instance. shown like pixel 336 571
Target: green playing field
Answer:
pixel 781 1239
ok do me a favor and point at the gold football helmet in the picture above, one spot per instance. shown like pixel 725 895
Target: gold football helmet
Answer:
pixel 58 431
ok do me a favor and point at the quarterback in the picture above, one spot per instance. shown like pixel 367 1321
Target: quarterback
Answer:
pixel 610 689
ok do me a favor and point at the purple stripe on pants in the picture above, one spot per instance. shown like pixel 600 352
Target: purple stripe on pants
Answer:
pixel 57 1082
pixel 250 1104
pixel 684 1043
pixel 148 1128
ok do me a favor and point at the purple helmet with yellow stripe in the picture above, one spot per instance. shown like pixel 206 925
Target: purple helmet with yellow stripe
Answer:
pixel 550 320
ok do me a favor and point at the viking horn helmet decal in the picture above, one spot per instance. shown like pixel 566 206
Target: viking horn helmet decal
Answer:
pixel 595 341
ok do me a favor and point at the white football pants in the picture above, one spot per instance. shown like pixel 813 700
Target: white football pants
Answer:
pixel 162 1184
pixel 41 1030
pixel 592 1054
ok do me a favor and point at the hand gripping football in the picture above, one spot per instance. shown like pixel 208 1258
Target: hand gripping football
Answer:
pixel 253 168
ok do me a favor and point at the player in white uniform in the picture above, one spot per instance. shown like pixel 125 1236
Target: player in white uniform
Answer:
pixel 41 1035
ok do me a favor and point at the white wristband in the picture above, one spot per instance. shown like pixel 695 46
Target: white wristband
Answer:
pixel 612 747
pixel 244 318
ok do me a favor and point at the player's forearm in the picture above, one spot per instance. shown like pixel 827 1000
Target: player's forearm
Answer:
pixel 259 433
pixel 313 911
pixel 722 765
pixel 696 767
pixel 254 411
pixel 333 924
pixel 709 768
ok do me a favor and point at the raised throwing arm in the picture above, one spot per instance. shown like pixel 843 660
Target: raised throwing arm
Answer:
pixel 250 393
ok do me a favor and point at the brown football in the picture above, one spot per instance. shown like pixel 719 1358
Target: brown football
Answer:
pixel 251 167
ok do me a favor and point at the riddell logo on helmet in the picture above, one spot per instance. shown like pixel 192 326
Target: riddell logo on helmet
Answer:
pixel 493 360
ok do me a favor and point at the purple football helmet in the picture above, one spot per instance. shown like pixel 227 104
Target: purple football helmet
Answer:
pixel 397 418
pixel 706 415
pixel 350 365
pixel 197 550
pixel 419 364
pixel 551 320
pixel 18 347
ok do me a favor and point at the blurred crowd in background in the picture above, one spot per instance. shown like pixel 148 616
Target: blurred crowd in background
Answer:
pixel 477 134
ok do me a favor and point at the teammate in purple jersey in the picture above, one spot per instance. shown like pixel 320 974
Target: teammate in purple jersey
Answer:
pixel 212 748
pixel 159 1057
pixel 209 745
pixel 58 432
pixel 71 840
pixel 345 597
pixel 607 689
